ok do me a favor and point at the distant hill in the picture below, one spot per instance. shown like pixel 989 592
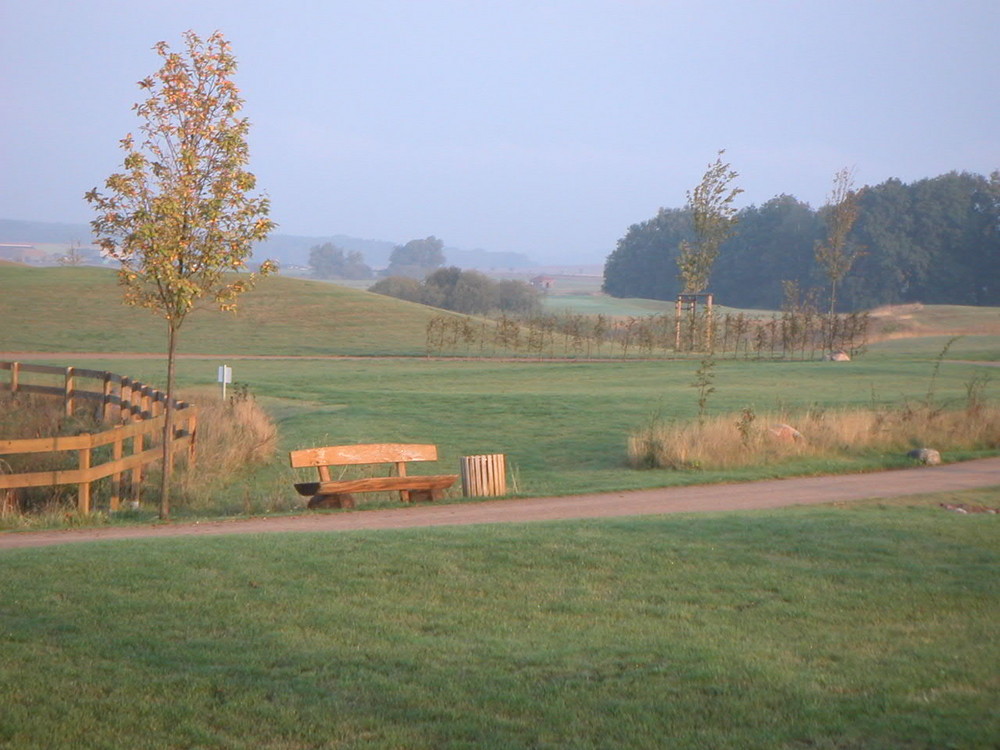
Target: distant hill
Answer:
pixel 287 249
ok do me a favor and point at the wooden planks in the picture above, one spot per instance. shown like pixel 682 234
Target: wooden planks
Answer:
pixel 371 453
pixel 377 484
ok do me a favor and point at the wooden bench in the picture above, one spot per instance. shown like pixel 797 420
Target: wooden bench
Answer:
pixel 328 493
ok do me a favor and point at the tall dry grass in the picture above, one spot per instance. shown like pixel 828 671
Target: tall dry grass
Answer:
pixel 233 436
pixel 24 416
pixel 747 438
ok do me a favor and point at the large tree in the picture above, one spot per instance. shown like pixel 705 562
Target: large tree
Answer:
pixel 416 258
pixel 641 264
pixel 936 241
pixel 714 218
pixel 774 243
pixel 182 216
pixel 328 261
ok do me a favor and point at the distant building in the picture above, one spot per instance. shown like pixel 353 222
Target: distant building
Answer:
pixel 542 282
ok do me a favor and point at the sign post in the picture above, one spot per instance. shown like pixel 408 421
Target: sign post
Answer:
pixel 225 377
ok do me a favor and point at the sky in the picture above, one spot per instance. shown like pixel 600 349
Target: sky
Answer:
pixel 543 127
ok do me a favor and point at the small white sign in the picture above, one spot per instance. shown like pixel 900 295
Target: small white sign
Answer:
pixel 225 376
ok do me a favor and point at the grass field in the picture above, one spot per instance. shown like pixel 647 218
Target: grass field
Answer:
pixel 564 426
pixel 80 309
pixel 862 625
pixel 865 625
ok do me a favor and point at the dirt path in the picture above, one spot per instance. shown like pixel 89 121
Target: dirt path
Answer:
pixel 750 496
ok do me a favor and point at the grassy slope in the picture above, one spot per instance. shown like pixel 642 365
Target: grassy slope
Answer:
pixel 867 625
pixel 80 309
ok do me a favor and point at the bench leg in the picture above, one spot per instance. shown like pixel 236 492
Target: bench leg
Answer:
pixel 341 500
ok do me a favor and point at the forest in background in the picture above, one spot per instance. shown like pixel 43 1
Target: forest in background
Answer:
pixel 935 241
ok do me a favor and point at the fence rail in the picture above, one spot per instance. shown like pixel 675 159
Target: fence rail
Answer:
pixel 138 407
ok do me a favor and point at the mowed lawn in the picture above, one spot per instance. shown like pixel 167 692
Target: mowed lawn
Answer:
pixel 864 625
pixel 563 426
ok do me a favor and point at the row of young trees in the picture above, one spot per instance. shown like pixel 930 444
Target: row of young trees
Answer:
pixel 795 333
pixel 935 241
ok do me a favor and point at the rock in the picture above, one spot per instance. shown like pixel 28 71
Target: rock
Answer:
pixel 840 356
pixel 785 433
pixel 926 456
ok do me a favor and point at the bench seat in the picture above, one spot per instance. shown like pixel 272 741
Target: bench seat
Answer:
pixel 377 484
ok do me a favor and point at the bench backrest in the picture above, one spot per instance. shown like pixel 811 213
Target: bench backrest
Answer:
pixel 375 453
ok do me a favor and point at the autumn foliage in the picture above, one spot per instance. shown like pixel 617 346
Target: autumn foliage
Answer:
pixel 181 216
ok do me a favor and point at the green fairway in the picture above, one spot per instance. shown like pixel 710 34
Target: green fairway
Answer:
pixel 563 425
pixel 81 309
pixel 868 625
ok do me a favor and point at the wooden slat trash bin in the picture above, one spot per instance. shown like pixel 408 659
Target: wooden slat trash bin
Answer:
pixel 484 476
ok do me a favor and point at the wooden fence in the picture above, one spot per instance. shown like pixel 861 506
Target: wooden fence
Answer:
pixel 137 407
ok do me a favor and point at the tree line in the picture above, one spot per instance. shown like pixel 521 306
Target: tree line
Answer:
pixel 414 260
pixel 936 241
pixel 468 292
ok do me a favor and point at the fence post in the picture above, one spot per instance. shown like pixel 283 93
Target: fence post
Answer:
pixel 192 430
pixel 106 391
pixel 83 492
pixel 69 390
pixel 127 393
pixel 15 369
pixel 138 446
pixel 116 478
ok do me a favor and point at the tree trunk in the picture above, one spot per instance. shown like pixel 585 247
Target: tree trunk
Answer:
pixel 168 425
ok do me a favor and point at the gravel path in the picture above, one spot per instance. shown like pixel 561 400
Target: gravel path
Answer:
pixel 750 496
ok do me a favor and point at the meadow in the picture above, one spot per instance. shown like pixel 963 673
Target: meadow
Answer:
pixel 564 426
pixel 354 373
pixel 863 625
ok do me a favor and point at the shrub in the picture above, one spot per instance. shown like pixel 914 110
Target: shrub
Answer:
pixel 736 440
pixel 24 416
pixel 233 436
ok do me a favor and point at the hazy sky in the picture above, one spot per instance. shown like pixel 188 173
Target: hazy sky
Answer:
pixel 545 127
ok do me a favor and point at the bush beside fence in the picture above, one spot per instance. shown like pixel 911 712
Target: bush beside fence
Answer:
pixel 139 409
